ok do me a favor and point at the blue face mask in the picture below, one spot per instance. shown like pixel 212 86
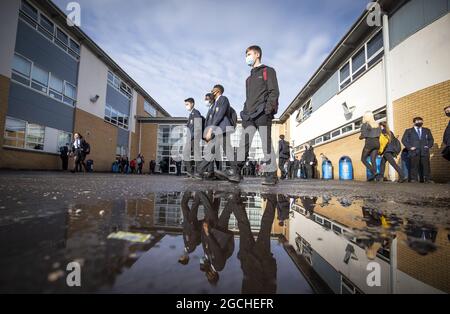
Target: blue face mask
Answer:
pixel 250 61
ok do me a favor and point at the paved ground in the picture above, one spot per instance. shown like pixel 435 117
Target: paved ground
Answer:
pixel 28 190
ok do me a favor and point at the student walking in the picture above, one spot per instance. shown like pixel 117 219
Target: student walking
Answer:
pixel 370 132
pixel 261 105
pixel 80 148
pixel 390 152
pixel 195 130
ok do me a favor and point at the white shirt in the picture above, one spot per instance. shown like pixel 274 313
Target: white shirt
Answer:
pixel 76 144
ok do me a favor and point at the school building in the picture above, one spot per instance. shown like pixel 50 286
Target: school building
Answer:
pixel 54 81
pixel 399 70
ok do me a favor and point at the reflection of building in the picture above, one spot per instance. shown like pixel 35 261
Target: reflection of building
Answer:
pixel 54 81
pixel 326 240
pixel 398 70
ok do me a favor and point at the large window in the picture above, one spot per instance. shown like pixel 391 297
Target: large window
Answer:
pixel 64 138
pixel 304 112
pixel 362 60
pixel 21 134
pixel 15 131
pixel 36 19
pixel 27 73
pixel 39 79
pixel 117 118
pixel 149 109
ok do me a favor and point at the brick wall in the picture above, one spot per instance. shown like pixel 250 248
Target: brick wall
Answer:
pixel 102 137
pixel 429 104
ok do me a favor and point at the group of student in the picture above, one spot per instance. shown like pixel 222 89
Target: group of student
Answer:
pixel 292 167
pixel 417 141
pixel 261 105
pixel 124 165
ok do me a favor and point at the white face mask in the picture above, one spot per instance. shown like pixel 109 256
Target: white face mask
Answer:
pixel 207 103
pixel 188 108
pixel 250 61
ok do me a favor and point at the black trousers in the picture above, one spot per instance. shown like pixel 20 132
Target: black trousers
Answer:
pixel 388 157
pixel 79 161
pixel 281 162
pixel 65 162
pixel 420 167
pixel 213 154
pixel 249 129
pixel 189 151
pixel 309 171
pixel 371 149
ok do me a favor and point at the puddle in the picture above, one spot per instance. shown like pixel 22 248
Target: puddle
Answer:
pixel 222 242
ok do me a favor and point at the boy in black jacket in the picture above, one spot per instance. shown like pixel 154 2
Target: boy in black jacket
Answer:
pixel 259 109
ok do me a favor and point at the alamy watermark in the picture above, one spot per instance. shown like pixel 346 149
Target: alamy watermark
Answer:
pixel 74 14
pixel 374 16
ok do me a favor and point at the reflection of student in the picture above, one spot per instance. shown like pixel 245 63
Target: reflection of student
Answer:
pixel 283 208
pixel 257 261
pixel 421 237
pixel 191 225
pixel 217 239
pixel 308 204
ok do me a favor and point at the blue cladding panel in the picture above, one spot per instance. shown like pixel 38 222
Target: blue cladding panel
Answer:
pixel 28 105
pixel 117 100
pixel 31 44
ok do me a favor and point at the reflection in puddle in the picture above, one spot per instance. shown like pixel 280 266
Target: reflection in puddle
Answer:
pixel 222 242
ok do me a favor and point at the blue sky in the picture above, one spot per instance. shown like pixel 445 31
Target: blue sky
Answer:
pixel 177 49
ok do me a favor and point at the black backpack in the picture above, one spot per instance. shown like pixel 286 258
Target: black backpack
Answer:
pixel 87 148
pixel 396 146
pixel 275 105
pixel 233 117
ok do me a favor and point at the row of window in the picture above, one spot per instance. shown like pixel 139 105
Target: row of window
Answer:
pixel 21 134
pixel 46 27
pixel 362 60
pixel 117 118
pixel 118 84
pixel 356 66
pixel 354 126
pixel 28 73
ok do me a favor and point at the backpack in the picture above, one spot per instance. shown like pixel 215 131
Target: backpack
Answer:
pixel 232 116
pixel 396 146
pixel 274 105
pixel 87 148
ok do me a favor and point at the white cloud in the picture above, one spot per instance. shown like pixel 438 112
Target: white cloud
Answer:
pixel 177 49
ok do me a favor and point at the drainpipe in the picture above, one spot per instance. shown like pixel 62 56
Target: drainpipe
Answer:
pixel 387 84
pixel 140 136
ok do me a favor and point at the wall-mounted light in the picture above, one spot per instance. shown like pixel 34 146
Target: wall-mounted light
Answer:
pixel 95 98
pixel 348 111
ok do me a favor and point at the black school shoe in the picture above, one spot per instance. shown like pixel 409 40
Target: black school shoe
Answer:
pixel 229 175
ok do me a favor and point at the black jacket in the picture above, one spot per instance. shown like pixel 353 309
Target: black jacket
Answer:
pixel 219 115
pixel 193 116
pixel 309 156
pixel 83 146
pixel 283 149
pixel 368 132
pixel 394 147
pixel 260 94
pixel 447 135
pixel 411 139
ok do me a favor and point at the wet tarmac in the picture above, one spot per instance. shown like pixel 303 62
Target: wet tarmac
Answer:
pixel 172 235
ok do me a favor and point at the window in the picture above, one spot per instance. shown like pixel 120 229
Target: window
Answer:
pixel 46 27
pixel 344 75
pixel 70 94
pixel 336 133
pixel 367 56
pixel 118 84
pixel 35 137
pixel 62 38
pixel 326 137
pixel 56 88
pixel 318 140
pixel 149 109
pixel 40 79
pixel 21 70
pixel 29 10
pixel 358 124
pixel 304 112
pixel 75 47
pixel 63 139
pixel 108 113
pixel 359 63
pixel 15 131
pixel 380 115
pixel 375 45
pixel 347 129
